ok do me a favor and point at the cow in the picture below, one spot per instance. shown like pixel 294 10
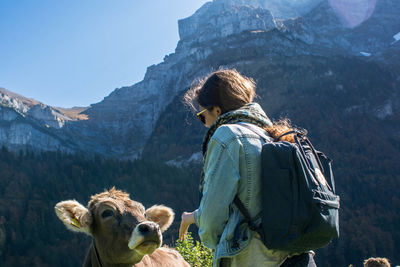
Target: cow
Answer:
pixel 124 233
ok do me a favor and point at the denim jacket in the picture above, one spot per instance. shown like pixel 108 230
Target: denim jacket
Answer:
pixel 232 167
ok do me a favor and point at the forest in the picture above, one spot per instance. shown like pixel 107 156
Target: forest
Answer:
pixel 32 183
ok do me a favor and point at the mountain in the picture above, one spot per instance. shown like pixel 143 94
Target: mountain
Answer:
pixel 288 55
pixel 121 124
pixel 27 123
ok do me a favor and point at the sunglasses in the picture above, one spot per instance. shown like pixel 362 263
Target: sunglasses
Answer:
pixel 201 117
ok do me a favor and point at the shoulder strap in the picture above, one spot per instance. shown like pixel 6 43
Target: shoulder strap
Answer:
pixel 242 208
pixel 247 220
pixel 239 204
pixel 282 135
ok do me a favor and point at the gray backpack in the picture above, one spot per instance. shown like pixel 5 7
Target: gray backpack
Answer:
pixel 300 210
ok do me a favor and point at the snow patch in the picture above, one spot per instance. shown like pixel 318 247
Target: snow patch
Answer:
pixel 339 87
pixel 180 162
pixel 384 111
pixel 365 54
pixel 396 38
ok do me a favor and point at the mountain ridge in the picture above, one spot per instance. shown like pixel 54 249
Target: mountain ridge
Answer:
pixel 121 124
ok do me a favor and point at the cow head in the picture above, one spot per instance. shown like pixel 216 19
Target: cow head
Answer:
pixel 123 231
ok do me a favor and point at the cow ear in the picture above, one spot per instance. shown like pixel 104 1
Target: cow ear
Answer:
pixel 74 215
pixel 161 215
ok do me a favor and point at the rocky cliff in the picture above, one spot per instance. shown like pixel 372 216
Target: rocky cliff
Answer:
pixel 27 123
pixel 126 118
pixel 208 37
pixel 121 124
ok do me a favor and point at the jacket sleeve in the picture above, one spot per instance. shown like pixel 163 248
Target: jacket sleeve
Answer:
pixel 221 170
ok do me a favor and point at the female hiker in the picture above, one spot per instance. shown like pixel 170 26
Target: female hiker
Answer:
pixel 232 167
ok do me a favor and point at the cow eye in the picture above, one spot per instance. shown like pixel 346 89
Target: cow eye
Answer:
pixel 107 213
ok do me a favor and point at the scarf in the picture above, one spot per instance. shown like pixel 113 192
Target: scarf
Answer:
pixel 249 113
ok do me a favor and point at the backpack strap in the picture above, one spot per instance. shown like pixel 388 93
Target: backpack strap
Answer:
pixel 239 204
pixel 282 135
pixel 247 220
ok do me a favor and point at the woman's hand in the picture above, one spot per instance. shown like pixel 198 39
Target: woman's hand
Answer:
pixel 187 219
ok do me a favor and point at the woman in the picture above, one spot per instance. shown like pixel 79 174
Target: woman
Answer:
pixel 232 166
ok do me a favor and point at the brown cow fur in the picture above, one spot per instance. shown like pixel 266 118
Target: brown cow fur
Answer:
pixel 162 257
pixel 124 233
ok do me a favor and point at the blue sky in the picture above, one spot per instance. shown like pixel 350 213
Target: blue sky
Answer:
pixel 74 53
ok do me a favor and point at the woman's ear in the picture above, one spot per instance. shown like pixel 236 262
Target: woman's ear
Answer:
pixel 161 215
pixel 217 110
pixel 75 216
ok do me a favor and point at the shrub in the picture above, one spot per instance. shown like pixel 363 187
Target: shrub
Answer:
pixel 194 252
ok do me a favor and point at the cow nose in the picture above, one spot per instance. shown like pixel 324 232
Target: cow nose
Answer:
pixel 145 234
pixel 145 228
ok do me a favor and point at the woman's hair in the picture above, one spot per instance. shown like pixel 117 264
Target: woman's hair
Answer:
pixel 283 126
pixel 227 89
pixel 230 90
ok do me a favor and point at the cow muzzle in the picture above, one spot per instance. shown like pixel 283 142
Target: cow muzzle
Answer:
pixel 145 238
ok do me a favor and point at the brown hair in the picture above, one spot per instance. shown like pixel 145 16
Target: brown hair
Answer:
pixel 227 89
pixel 376 262
pixel 230 90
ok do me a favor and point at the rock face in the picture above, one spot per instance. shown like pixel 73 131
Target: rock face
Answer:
pixel 26 123
pixel 121 124
pixel 223 18
pixel 129 114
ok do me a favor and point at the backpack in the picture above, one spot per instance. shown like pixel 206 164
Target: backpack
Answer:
pixel 300 210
